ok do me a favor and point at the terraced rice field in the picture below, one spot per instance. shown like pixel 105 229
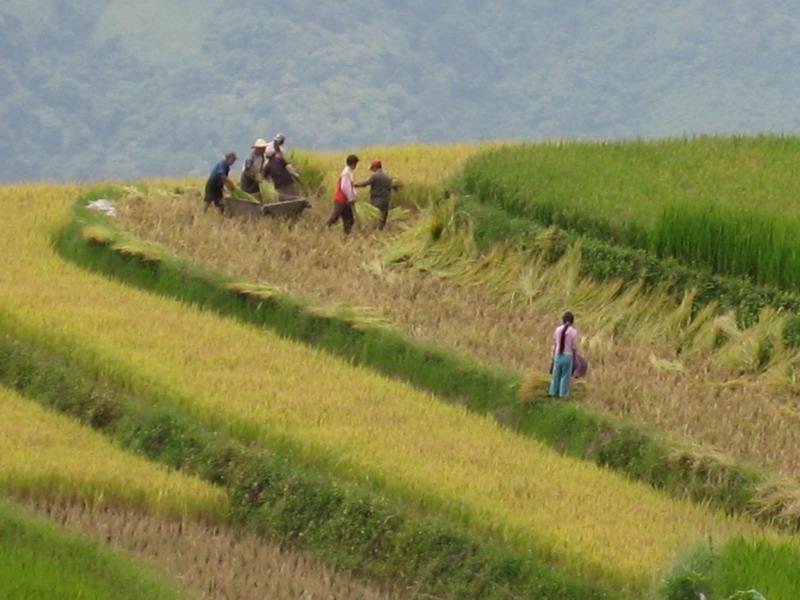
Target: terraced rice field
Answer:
pixel 46 455
pixel 720 398
pixel 75 478
pixel 593 523
pixel 370 432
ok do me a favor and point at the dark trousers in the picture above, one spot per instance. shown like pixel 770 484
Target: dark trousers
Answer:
pixel 382 206
pixel 213 195
pixel 345 213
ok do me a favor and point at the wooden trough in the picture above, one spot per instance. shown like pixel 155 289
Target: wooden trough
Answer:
pixel 288 209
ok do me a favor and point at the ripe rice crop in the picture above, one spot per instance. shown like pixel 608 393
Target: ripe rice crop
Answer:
pixel 266 389
pixel 421 170
pixel 43 454
pixel 726 204
pixel 651 358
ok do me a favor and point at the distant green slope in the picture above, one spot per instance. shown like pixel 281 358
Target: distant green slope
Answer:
pixel 113 89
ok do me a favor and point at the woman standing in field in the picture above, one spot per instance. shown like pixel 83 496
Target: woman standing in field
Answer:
pixel 565 346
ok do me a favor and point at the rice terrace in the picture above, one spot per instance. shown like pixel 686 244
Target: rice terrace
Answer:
pixel 510 310
pixel 367 416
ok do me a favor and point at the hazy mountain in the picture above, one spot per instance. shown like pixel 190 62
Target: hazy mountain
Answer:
pixel 112 88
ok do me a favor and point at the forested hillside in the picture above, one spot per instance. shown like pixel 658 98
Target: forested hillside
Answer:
pixel 106 88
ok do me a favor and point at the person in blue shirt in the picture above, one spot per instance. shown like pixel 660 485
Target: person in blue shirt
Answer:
pixel 218 181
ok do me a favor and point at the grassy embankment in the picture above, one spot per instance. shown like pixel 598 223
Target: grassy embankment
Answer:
pixel 324 413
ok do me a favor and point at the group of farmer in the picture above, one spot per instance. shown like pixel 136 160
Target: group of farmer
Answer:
pixel 267 164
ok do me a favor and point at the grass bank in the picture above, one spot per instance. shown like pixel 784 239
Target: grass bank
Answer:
pixel 740 570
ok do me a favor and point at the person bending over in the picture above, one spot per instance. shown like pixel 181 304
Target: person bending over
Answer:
pixel 218 180
pixel 282 173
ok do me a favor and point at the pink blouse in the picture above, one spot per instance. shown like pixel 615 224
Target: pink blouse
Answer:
pixel 570 340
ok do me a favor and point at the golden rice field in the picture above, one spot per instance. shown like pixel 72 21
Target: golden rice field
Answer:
pixel 76 478
pixel 502 310
pixel 257 385
pixel 416 165
pixel 47 455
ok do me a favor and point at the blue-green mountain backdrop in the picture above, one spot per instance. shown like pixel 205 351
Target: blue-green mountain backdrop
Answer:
pixel 117 88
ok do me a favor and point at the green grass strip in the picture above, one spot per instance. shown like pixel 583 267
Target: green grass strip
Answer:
pixel 39 560
pixel 277 493
pixel 640 452
pixel 739 570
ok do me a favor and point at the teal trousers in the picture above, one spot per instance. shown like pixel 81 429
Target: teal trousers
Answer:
pixel 562 375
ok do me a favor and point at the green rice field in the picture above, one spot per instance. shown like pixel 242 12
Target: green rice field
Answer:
pixel 729 205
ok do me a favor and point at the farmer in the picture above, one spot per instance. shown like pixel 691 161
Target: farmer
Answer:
pixel 277 143
pixel 380 186
pixel 565 346
pixel 345 196
pixel 218 180
pixel 253 169
pixel 282 174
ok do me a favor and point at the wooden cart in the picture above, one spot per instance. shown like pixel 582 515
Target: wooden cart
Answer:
pixel 288 209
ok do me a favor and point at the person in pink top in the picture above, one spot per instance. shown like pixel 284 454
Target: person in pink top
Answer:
pixel 565 346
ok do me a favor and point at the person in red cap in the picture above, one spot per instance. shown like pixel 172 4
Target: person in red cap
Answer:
pixel 380 186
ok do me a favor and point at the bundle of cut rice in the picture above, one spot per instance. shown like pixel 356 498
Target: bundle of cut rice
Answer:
pixel 243 196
